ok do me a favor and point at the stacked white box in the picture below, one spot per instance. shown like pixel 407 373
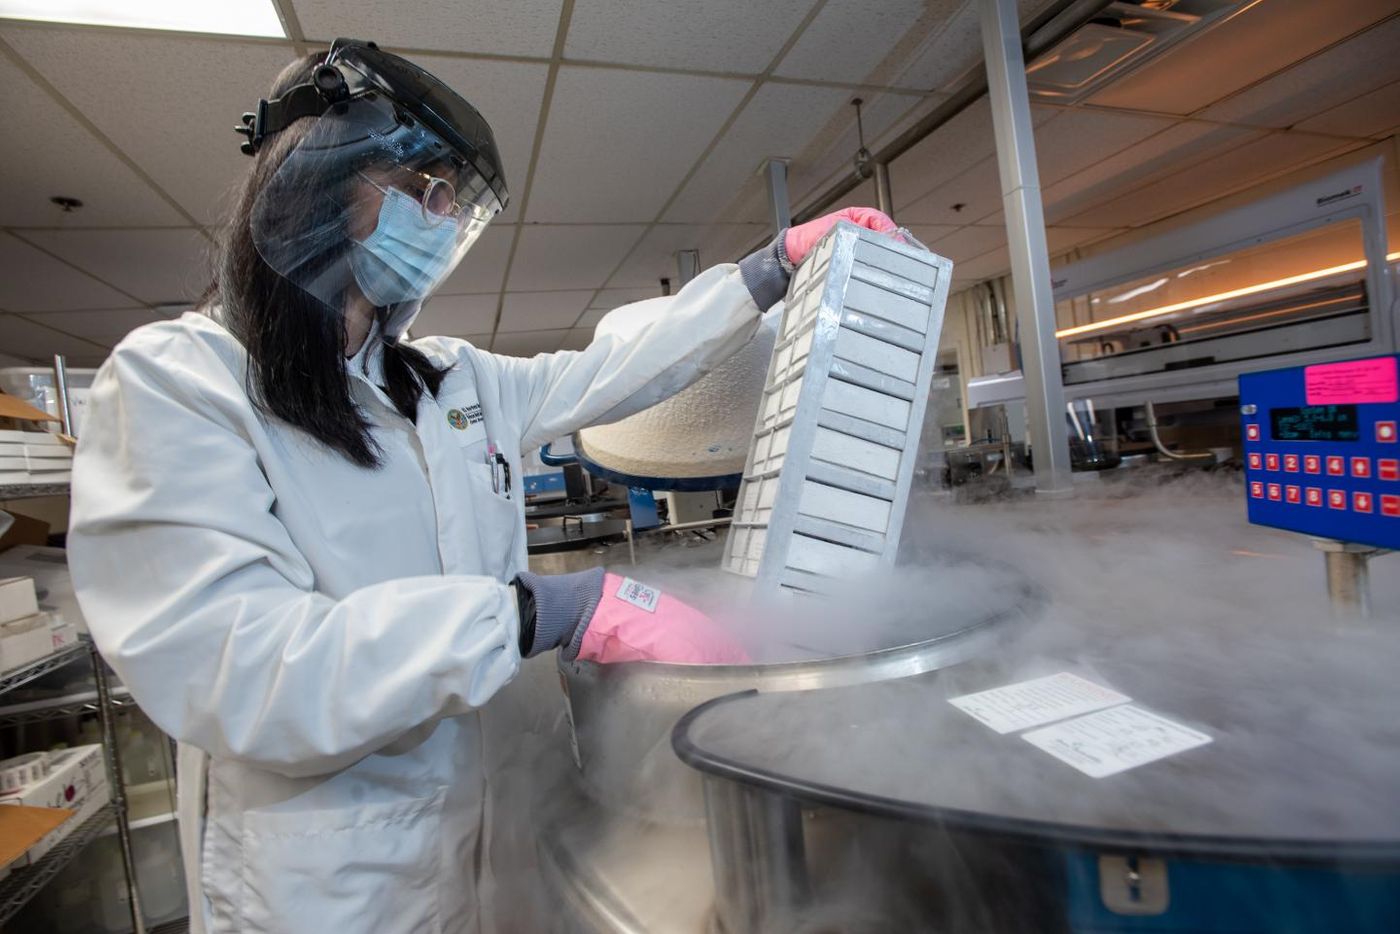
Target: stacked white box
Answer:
pixel 34 457
pixel 828 474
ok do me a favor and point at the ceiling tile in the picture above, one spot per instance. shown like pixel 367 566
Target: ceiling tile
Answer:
pixel 969 242
pixel 1239 168
pixel 779 122
pixel 46 152
pixel 31 280
pixel 946 153
pixel 456 315
pixel 136 88
pixel 608 299
pixel 1181 146
pixel 497 27
pixel 156 266
pixel 948 52
pixel 542 311
pixel 928 234
pixel 969 197
pixel 1316 84
pixel 1252 45
pixel 618 143
pixel 104 327
pixel 831 153
pixel 1077 139
pixel 484 266
pixel 1370 115
pixel 528 343
pixel 20 337
pixel 848 39
pixel 717 35
pixel 578 339
pixel 655 257
pixel 508 95
pixel 569 257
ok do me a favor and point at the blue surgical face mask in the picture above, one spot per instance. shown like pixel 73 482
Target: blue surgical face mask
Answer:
pixel 405 256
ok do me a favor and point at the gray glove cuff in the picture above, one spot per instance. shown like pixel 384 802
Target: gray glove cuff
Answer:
pixel 766 272
pixel 564 605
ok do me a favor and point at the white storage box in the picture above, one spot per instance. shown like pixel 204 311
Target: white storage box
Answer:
pixel 827 478
pixel 17 598
pixel 35 385
pixel 25 640
pixel 49 569
pixel 77 780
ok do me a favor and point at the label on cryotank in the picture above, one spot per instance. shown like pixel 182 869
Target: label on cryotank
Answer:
pixel 1036 702
pixel 1351 382
pixel 1112 741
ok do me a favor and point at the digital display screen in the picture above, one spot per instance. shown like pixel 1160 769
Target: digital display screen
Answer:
pixel 1316 423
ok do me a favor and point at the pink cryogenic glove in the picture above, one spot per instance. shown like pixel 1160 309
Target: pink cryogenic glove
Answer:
pixel 602 617
pixel 800 239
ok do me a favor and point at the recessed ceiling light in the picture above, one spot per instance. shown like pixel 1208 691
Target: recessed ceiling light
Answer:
pixel 227 17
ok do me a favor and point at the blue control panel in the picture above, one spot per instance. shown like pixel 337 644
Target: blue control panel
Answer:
pixel 1322 450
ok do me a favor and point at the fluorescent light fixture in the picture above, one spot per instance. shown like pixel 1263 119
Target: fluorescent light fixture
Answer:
pixel 1219 297
pixel 225 17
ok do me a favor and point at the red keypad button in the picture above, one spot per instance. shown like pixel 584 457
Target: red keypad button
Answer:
pixel 1361 502
pixel 1290 463
pixel 1313 495
pixel 1256 461
pixel 1271 462
pixel 1336 466
pixel 1337 499
pixel 1388 468
pixel 1256 489
pixel 1385 433
pixel 1251 432
pixel 1361 467
pixel 1312 463
pixel 1275 492
pixel 1390 505
pixel 1293 494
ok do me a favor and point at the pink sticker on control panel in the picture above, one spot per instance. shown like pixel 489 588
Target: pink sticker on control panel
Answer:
pixel 1352 382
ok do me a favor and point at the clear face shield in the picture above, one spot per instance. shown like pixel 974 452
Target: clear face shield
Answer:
pixel 371 202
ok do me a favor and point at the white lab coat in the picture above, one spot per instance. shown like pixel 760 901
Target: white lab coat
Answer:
pixel 319 635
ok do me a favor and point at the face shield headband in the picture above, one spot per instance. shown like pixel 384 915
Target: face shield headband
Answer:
pixel 372 199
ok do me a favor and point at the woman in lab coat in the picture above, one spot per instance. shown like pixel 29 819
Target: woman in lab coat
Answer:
pixel 292 534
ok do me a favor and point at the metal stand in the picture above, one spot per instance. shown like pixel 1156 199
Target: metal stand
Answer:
pixel 1348 577
pixel 758 854
pixel 26 882
pixel 114 771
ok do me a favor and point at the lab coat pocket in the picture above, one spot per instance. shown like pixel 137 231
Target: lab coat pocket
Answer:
pixel 495 517
pixel 372 867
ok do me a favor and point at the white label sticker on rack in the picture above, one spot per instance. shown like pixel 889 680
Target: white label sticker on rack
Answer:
pixel 1036 702
pixel 1112 741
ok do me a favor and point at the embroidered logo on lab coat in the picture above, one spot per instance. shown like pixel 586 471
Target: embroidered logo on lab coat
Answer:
pixel 463 418
pixel 466 419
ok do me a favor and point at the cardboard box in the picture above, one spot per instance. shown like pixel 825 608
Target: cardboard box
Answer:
pixel 26 531
pixel 77 780
pixel 22 827
pixel 17 598
pixel 25 640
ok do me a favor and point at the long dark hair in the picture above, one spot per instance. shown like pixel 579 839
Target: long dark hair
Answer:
pixel 295 342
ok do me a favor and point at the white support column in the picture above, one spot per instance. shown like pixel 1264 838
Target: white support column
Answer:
pixel 1025 231
pixel 780 209
pixel 687 266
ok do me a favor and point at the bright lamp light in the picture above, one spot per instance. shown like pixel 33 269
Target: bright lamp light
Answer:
pixel 228 17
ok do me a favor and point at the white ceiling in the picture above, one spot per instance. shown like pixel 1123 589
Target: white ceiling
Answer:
pixel 633 129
